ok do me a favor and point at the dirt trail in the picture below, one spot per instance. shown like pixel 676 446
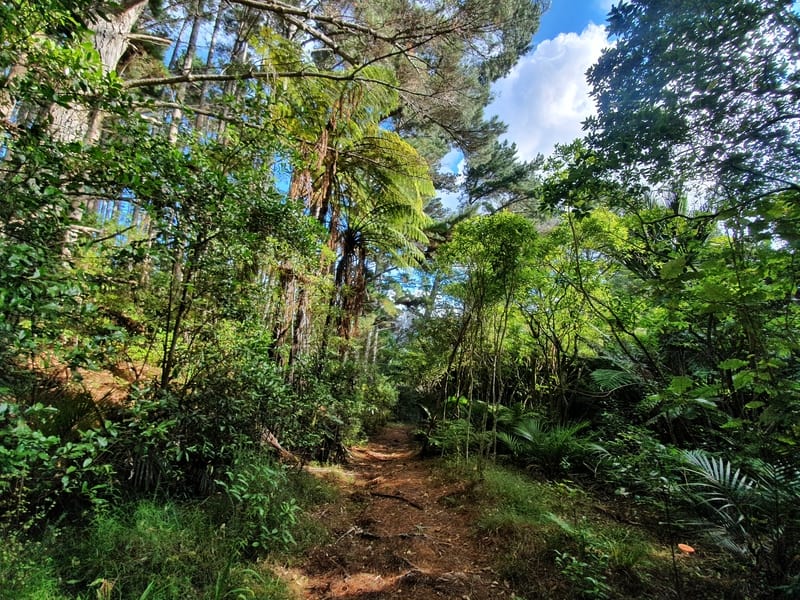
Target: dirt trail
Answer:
pixel 397 533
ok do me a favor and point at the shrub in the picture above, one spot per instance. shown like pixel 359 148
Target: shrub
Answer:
pixel 457 437
pixel 39 472
pixel 262 510
pixel 554 448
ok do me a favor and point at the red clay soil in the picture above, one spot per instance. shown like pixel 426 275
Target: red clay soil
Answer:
pixel 394 535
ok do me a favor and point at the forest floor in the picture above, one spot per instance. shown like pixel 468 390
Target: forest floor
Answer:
pixel 394 533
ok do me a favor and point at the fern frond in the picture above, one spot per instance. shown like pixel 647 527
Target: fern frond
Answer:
pixel 609 380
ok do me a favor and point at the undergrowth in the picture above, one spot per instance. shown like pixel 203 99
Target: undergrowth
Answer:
pixel 168 550
pixel 554 539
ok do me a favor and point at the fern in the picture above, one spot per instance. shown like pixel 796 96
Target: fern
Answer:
pixel 752 516
pixel 610 380
pixel 510 441
pixel 551 447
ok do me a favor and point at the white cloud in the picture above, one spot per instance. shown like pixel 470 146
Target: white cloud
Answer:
pixel 452 162
pixel 545 97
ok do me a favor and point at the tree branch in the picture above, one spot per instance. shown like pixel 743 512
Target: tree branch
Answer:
pixel 252 74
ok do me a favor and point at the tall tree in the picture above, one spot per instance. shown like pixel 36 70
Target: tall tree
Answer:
pixel 701 91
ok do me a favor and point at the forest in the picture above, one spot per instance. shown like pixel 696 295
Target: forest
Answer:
pixel 224 258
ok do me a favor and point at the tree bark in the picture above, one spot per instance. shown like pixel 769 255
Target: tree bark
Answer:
pixel 191 50
pixel 110 39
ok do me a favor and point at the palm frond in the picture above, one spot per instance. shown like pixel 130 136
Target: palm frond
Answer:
pixel 510 441
pixel 722 482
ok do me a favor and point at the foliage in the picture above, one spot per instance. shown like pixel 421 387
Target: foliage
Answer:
pixel 181 439
pixel 456 437
pixel 702 91
pixel 552 448
pixel 27 571
pixel 538 522
pixel 755 517
pixel 41 472
pixel 584 576
pixel 162 551
pixel 262 513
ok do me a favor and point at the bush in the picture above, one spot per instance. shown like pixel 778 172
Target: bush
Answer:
pixel 458 437
pixel 262 510
pixel 39 472
pixel 553 448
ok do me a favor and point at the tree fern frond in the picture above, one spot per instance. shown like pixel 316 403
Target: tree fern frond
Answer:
pixel 609 380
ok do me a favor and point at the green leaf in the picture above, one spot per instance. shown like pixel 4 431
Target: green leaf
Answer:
pixel 672 269
pixel 755 404
pixel 743 379
pixel 680 384
pixel 732 364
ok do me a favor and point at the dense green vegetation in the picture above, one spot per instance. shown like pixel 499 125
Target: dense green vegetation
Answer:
pixel 229 210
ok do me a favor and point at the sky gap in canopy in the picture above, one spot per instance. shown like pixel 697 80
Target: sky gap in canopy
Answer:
pixel 545 98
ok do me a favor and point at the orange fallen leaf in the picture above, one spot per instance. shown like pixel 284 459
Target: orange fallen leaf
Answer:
pixel 686 548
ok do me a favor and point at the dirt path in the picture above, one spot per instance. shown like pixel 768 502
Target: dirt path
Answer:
pixel 396 533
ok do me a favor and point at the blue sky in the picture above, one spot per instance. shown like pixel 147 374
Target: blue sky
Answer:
pixel 544 98
pixel 565 16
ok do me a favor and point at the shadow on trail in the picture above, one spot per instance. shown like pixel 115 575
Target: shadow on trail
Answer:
pixel 394 534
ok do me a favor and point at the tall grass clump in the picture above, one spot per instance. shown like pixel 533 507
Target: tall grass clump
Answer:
pixel 27 572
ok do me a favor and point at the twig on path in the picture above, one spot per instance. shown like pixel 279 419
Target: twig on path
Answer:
pixel 337 565
pixel 409 563
pixel 355 530
pixel 398 497
pixel 413 534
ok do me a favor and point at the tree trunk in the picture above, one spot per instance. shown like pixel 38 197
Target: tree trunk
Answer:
pixel 202 120
pixel 110 39
pixel 191 50
pixel 76 123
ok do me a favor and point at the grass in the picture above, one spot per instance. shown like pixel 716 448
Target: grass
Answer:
pixel 149 549
pixel 510 502
pixel 560 539
pixel 552 541
pixel 27 572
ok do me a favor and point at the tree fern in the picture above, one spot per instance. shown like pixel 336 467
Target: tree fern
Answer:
pixel 609 380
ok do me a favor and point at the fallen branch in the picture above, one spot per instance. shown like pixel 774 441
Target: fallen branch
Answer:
pixel 398 497
pixel 267 437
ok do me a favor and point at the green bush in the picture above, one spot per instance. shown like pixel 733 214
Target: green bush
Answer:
pixel 179 440
pixel 553 448
pixel 262 512
pixel 39 472
pixel 336 403
pixel 458 437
